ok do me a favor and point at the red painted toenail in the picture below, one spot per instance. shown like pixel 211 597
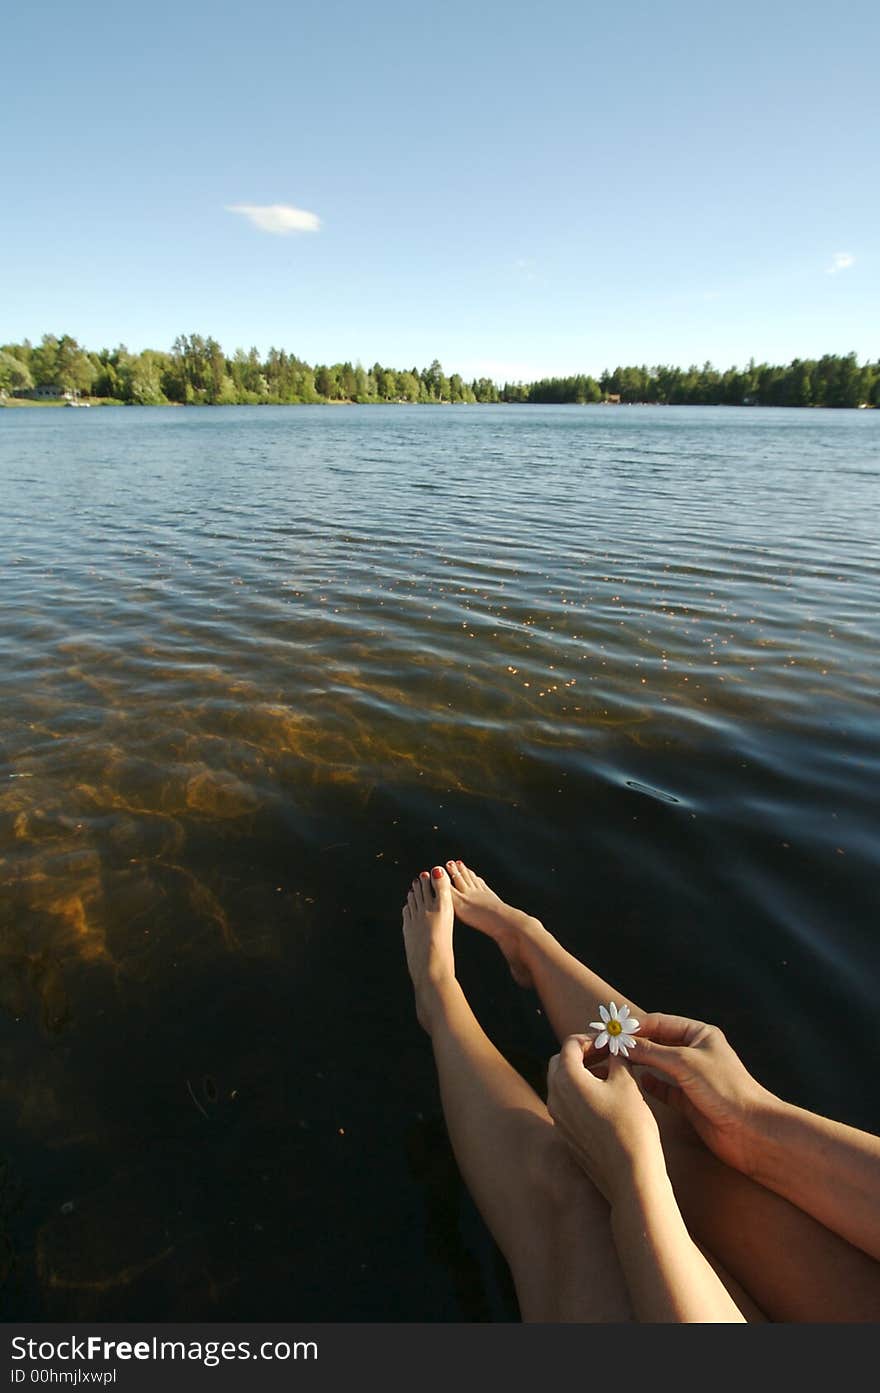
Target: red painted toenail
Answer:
pixel 423 875
pixel 437 873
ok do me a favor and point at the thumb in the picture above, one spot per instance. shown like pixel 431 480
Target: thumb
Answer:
pixel 571 1055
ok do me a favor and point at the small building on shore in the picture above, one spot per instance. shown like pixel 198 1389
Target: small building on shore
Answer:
pixel 52 392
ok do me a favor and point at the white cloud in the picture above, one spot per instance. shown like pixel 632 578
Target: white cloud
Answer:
pixel 841 261
pixel 278 218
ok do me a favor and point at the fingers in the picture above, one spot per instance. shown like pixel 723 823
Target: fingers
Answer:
pixel 579 1063
pixel 669 1060
pixel 570 1059
pixel 573 1064
pixel 572 1054
pixel 664 1092
pixel 669 1030
pixel 578 1056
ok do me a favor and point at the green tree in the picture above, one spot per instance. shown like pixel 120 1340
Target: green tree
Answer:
pixel 408 386
pixel 327 383
pixel 484 389
pixel 44 362
pixel 15 376
pixel 347 381
pixel 145 380
pixel 847 382
pixel 362 390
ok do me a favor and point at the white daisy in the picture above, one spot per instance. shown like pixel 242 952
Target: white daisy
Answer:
pixel 614 1028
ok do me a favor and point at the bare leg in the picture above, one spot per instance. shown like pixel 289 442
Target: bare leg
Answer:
pixel 793 1267
pixel 550 1223
pixel 570 992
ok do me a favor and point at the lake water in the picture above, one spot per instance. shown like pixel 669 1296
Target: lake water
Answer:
pixel 260 666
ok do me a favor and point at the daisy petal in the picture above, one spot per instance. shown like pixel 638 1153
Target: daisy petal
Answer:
pixel 613 1009
pixel 630 1027
pixel 613 1043
pixel 623 1045
pixel 597 1025
pixel 601 1040
pixel 604 1014
pixel 623 1013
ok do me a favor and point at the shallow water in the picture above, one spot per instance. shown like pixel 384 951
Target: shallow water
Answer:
pixel 262 665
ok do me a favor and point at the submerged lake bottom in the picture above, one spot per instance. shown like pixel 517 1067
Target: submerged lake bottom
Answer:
pixel 261 666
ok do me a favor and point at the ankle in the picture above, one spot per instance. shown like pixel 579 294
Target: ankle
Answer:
pixel 523 928
pixel 435 998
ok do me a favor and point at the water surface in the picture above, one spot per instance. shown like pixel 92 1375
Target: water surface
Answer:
pixel 262 665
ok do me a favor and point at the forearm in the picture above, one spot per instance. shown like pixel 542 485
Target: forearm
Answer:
pixel 827 1169
pixel 668 1278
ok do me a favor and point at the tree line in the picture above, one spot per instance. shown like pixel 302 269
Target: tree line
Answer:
pixel 833 380
pixel 197 371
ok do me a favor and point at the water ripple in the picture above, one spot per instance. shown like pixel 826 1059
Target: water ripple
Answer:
pixel 259 666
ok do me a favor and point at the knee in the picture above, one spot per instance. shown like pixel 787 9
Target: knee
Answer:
pixel 563 1224
pixel 555 1181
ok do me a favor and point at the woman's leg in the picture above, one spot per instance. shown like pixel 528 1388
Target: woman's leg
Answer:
pixel 793 1267
pixel 550 1223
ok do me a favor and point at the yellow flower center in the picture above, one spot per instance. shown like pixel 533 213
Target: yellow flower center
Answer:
pixel 614 1027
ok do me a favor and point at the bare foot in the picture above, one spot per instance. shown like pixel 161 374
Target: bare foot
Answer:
pixel 427 935
pixel 477 905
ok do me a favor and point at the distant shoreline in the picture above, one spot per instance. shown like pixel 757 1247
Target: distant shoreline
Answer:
pixel 100 402
pixel 196 371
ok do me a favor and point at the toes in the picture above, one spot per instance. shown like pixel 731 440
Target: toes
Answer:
pixel 468 879
pixel 441 883
pixel 454 872
pixel 427 889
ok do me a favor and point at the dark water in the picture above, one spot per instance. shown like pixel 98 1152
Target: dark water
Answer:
pixel 259 667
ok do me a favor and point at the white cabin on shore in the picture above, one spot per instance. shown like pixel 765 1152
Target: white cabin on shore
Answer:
pixel 50 393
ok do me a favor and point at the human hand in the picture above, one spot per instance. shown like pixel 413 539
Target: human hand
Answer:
pixel 604 1119
pixel 702 1077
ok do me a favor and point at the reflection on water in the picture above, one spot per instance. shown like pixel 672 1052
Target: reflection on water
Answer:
pixel 259 668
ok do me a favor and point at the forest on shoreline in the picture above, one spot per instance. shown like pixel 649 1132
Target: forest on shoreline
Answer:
pixel 197 371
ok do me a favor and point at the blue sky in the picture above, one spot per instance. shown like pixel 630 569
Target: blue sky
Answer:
pixel 518 192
